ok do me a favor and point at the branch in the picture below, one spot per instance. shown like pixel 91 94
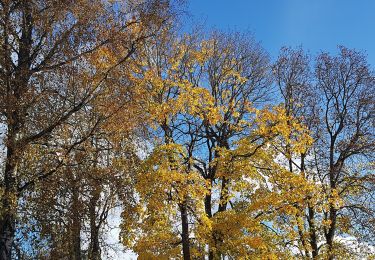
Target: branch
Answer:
pixel 43 176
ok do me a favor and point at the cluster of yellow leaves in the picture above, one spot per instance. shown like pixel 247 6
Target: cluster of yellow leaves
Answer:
pixel 276 123
pixel 335 199
pixel 163 183
pixel 239 234
pixel 165 175
pixel 259 186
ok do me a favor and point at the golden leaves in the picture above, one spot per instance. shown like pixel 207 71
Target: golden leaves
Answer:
pixel 163 183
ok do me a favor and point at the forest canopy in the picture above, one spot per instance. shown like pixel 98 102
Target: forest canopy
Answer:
pixel 209 147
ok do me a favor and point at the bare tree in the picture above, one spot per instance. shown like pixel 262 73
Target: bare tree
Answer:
pixel 346 133
pixel 336 103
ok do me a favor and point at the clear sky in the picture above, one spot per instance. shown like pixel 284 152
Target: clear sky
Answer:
pixel 315 24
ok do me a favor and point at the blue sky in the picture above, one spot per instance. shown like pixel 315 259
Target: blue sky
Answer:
pixel 315 24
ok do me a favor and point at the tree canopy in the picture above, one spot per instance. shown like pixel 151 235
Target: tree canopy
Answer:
pixel 210 148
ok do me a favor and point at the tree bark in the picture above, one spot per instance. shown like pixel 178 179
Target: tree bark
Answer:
pixel 16 86
pixel 185 231
pixel 208 211
pixel 76 227
pixel 312 229
pixel 10 196
pixel 331 232
pixel 8 214
pixel 223 195
pixel 94 249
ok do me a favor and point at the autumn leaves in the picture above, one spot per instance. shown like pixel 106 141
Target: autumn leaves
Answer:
pixel 214 156
pixel 253 180
pixel 247 158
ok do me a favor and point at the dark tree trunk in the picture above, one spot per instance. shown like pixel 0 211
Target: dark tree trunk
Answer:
pixel 94 249
pixel 310 218
pixel 76 227
pixel 331 232
pixel 312 229
pixel 16 86
pixel 223 195
pixel 207 204
pixel 8 215
pixel 7 229
pixel 8 202
pixel 208 210
pixel 333 172
pixel 94 244
pixel 185 231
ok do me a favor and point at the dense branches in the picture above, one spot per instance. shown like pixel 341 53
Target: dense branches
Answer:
pixel 208 148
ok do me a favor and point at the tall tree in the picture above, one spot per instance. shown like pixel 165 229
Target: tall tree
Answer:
pixel 346 144
pixel 335 103
pixel 43 45
pixel 200 122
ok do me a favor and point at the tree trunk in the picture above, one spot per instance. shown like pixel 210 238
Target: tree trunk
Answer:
pixel 8 207
pixel 207 202
pixel 185 231
pixel 7 231
pixel 94 249
pixel 331 232
pixel 333 171
pixel 76 227
pixel 15 88
pixel 208 210
pixel 313 237
pixel 7 228
pixel 223 195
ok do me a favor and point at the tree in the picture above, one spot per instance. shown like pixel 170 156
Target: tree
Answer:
pixel 229 172
pixel 161 70
pixel 200 124
pixel 235 73
pixel 346 88
pixel 70 213
pixel 333 105
pixel 46 44
pixel 294 78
